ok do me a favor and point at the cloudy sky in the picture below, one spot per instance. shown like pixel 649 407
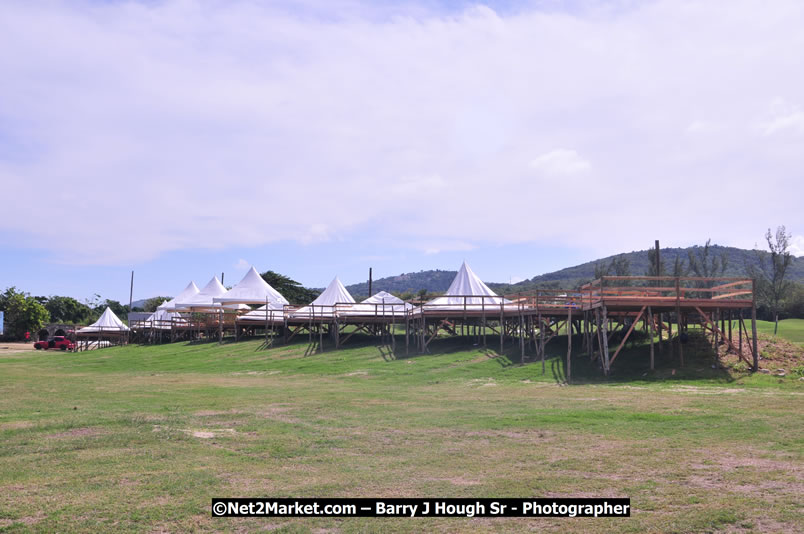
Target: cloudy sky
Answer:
pixel 190 137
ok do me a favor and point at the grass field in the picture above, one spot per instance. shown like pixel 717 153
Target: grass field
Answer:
pixel 139 439
pixel 790 329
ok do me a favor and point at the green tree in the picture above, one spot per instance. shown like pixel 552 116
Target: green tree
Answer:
pixel 23 313
pixel 703 262
pixel 619 266
pixel 771 286
pixel 679 268
pixel 153 303
pixel 117 308
pixel 67 310
pixel 289 288
pixel 652 271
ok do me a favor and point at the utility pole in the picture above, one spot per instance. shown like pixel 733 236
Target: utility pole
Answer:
pixel 221 277
pixel 658 263
pixel 131 297
pixel 370 293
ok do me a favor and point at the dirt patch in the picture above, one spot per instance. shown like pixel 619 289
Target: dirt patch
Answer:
pixel 778 476
pixel 14 348
pixel 774 353
pixel 16 425
pixel 706 390
pixel 210 434
pixel 28 520
pixel 278 413
pixel 76 433
pixel 455 481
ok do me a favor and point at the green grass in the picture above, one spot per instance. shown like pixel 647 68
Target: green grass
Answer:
pixel 110 440
pixel 789 329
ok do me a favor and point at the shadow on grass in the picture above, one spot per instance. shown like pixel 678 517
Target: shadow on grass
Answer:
pixel 631 365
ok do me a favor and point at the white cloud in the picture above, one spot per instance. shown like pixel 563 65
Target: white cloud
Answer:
pixel 242 265
pixel 789 121
pixel 221 124
pixel 560 161
pixel 797 246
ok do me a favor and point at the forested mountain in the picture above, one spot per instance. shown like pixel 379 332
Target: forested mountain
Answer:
pixel 570 277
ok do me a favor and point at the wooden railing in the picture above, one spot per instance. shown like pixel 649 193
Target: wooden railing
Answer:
pixel 666 289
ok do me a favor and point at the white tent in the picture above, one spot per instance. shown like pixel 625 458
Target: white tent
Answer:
pixel 324 305
pixel 380 304
pixel 190 291
pixel 276 312
pixel 107 322
pixel 252 289
pixel 467 290
pixel 163 320
pixel 204 298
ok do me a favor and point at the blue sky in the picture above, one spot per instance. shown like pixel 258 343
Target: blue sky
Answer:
pixel 187 138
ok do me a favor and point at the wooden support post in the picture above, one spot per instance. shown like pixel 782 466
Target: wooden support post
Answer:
pixel 337 334
pixel 605 338
pixel 541 340
pixel 407 332
pixel 391 328
pixel 424 333
pixel 661 327
pixel 483 311
pixel 740 331
pixel 754 325
pixel 599 335
pixel 502 327
pixel 463 323
pixel 730 340
pixel 650 334
pixel 678 322
pixel 521 335
pixel 625 338
pixel 569 345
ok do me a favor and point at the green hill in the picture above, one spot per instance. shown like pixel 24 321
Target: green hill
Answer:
pixel 570 277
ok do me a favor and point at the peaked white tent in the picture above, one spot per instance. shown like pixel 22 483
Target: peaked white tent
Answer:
pixel 380 304
pixel 107 323
pixel 204 299
pixel 190 291
pixel 163 320
pixel 252 289
pixel 467 290
pixel 324 305
pixel 276 312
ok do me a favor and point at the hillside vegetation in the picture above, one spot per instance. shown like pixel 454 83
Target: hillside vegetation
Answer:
pixel 435 281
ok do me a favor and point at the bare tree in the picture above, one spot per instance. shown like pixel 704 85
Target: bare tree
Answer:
pixel 771 285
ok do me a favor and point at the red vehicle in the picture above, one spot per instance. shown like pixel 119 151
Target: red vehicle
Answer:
pixel 56 342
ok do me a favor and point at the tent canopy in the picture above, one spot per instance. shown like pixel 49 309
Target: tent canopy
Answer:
pixel 275 312
pixel 252 289
pixel 204 298
pixel 382 303
pixel 324 305
pixel 190 291
pixel 469 290
pixel 107 322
